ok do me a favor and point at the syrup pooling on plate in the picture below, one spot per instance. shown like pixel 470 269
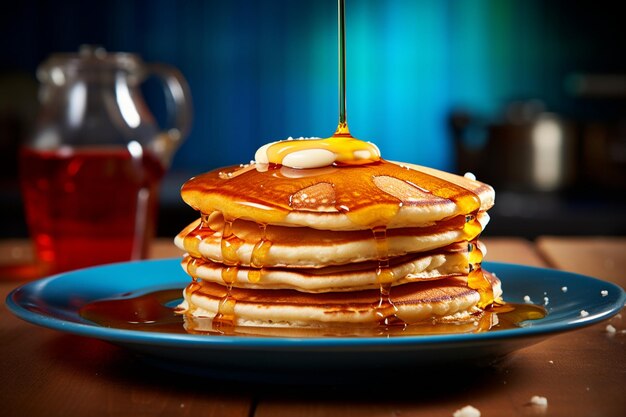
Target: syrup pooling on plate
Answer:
pixel 151 312
pixel 146 312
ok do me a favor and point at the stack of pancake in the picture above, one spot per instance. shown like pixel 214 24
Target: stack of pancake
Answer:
pixel 379 243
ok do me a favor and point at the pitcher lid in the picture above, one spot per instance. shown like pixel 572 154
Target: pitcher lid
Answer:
pixel 89 58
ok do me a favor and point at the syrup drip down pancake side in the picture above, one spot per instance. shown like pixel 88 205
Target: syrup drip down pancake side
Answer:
pixel 304 247
pixel 445 300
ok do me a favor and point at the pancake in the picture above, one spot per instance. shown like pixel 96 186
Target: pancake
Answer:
pixel 369 242
pixel 448 299
pixel 334 198
pixel 304 247
pixel 350 277
pixel 476 324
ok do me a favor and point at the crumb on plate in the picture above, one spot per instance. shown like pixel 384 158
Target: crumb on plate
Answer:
pixel 467 411
pixel 540 401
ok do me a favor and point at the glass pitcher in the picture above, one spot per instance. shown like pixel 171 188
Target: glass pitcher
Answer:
pixel 90 173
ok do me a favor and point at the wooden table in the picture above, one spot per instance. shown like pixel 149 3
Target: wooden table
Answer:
pixel 582 373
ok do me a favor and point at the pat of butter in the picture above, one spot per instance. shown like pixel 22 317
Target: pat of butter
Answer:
pixel 260 157
pixel 309 158
pixel 318 153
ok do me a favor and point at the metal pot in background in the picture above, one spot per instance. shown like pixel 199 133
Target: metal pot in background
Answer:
pixel 603 147
pixel 531 150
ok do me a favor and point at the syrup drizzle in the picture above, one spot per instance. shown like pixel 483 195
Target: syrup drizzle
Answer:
pixel 476 279
pixel 229 244
pixel 342 127
pixel 192 267
pixel 258 259
pixel 193 239
pixel 189 291
pixel 385 310
pixel 346 149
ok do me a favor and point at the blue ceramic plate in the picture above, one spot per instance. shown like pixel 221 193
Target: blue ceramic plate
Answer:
pixel 54 302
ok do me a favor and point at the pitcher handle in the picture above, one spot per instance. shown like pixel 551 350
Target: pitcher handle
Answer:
pixel 179 109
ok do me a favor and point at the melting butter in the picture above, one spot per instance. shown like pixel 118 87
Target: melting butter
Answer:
pixel 318 153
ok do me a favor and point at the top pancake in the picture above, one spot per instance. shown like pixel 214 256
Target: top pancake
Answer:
pixel 337 197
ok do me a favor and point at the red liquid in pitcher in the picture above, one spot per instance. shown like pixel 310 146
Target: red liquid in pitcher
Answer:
pixel 89 206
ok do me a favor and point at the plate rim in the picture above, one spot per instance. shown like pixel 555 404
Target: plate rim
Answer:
pixel 134 337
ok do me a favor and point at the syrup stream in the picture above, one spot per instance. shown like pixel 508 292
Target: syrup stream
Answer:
pixel 342 128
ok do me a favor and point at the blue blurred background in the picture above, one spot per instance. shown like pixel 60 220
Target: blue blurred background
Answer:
pixel 264 70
